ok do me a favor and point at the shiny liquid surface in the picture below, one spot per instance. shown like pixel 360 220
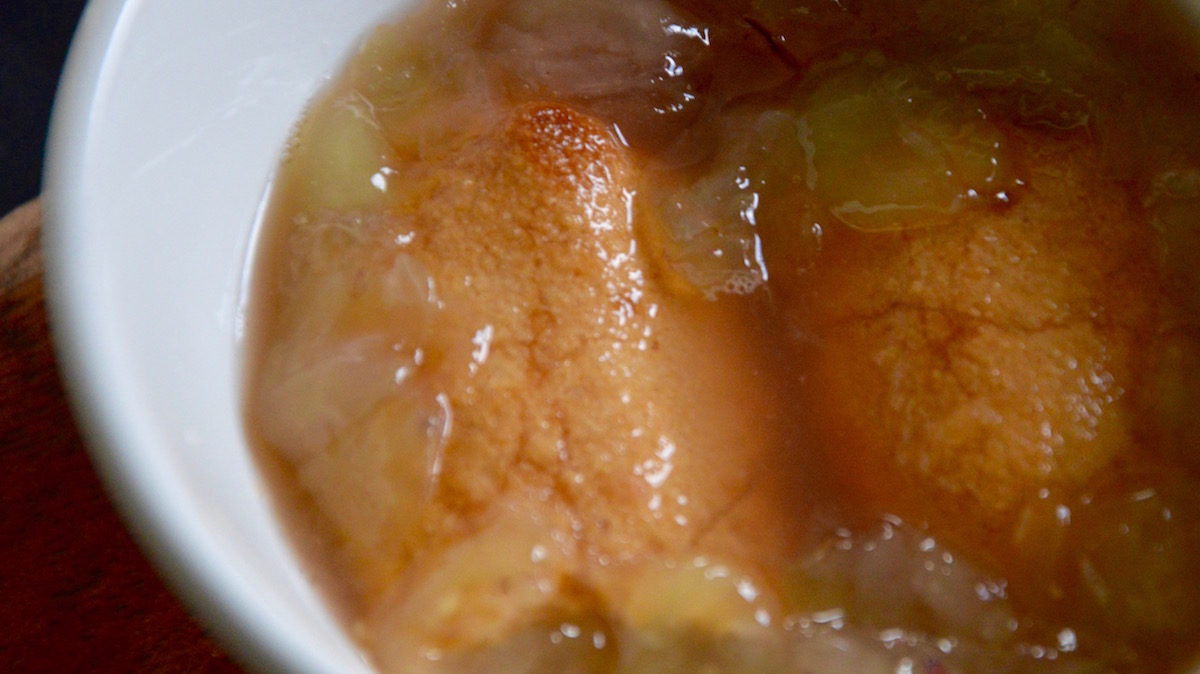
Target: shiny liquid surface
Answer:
pixel 746 336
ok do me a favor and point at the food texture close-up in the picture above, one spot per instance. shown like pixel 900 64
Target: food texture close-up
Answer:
pixel 743 336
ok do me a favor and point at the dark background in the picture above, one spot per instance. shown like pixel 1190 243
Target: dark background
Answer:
pixel 34 36
pixel 76 595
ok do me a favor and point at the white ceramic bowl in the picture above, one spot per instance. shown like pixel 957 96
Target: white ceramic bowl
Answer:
pixel 170 118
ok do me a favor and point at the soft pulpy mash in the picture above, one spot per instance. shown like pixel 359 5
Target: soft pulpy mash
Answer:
pixel 746 336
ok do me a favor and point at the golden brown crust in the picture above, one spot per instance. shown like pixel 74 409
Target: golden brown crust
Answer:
pixel 965 368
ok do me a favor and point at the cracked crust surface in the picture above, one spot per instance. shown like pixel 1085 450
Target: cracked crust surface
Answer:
pixel 979 363
pixel 591 428
pixel 580 400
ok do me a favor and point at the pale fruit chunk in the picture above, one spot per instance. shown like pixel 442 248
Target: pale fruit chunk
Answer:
pixel 339 397
pixel 635 64
pixel 887 152
pixel 895 576
pixel 653 70
pixel 894 592
pixel 709 231
pixel 1138 550
pixel 341 159
pixel 1039 80
pixel 698 616
pixel 701 594
pixel 370 485
pixel 504 590
pixel 1174 206
pixel 339 360
pixel 427 85
pixel 1173 398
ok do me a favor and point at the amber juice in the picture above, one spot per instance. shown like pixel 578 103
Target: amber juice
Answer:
pixel 749 336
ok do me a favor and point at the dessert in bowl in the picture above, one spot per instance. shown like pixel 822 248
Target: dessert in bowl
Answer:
pixel 914 316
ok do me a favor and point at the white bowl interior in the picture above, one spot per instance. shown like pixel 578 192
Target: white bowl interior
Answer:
pixel 170 119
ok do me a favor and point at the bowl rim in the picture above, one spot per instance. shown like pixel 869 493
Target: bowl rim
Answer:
pixel 95 389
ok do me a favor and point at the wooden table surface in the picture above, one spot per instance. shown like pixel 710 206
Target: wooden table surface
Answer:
pixel 76 595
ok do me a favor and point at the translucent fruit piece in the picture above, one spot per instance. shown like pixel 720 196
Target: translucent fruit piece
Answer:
pixel 894 593
pixel 700 594
pixel 1175 396
pixel 371 484
pixel 351 341
pixel 698 616
pixel 638 65
pixel 1139 551
pixel 343 157
pixel 712 224
pixel 1174 207
pixel 887 152
pixel 428 89
pixel 806 30
pixel 897 576
pixel 503 591
pixel 1040 80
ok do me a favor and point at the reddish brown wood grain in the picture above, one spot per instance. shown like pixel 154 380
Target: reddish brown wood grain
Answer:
pixel 76 595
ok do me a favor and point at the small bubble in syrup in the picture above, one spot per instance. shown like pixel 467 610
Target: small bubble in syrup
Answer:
pixel 1063 514
pixel 830 616
pixel 716 572
pixel 746 589
pixel 1067 641
pixel 762 617
pixel 379 182
pixel 538 553
pixel 1143 495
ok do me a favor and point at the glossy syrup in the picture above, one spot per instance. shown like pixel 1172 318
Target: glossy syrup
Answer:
pixel 752 336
